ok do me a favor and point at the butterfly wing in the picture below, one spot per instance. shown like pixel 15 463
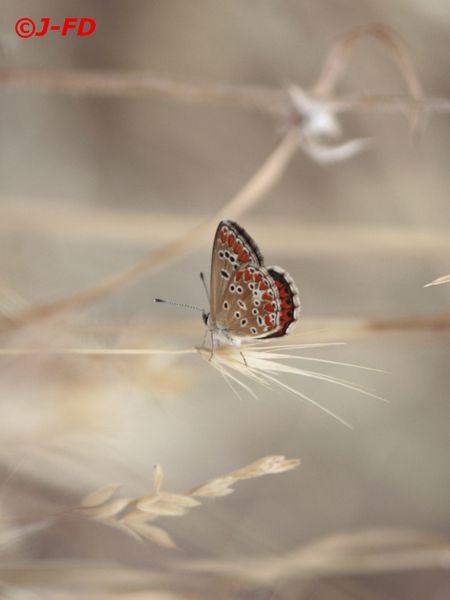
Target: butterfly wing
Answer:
pixel 247 299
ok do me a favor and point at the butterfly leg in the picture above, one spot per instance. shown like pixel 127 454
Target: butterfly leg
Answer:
pixel 243 358
pixel 212 346
pixel 204 339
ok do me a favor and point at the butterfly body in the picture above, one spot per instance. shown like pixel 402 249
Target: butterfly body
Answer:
pixel 248 300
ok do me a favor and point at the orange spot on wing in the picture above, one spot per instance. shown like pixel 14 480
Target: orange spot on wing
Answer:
pixel 285 318
pixel 231 240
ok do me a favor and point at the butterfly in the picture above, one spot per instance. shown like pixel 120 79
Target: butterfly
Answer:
pixel 247 299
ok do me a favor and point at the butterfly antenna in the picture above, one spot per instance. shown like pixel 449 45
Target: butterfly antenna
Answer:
pixel 202 277
pixel 179 304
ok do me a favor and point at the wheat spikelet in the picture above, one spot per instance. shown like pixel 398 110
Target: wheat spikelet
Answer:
pixel 134 515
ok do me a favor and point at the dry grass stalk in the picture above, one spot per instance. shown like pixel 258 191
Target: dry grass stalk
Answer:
pixel 136 516
pixel 98 580
pixel 418 323
pixel 55 220
pixel 365 552
pixel 313 328
pixel 273 101
pixel 318 117
pixel 336 63
pixel 350 553
pixel 268 100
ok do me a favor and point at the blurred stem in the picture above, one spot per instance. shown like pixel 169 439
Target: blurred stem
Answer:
pixel 111 84
pixel 58 220
pixel 312 329
pixel 425 322
pixel 273 101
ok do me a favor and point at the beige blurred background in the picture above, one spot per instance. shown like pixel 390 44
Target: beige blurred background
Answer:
pixel 89 185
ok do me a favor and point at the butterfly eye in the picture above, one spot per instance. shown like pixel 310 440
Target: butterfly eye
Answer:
pixel 221 254
pixel 227 254
pixel 232 258
pixel 253 330
pixel 235 266
pixel 256 302
pixel 260 321
pixel 237 314
pixel 243 322
pixel 226 305
pixel 242 304
pixel 252 286
pixel 225 274
pixel 239 289
pixel 232 288
pixel 254 311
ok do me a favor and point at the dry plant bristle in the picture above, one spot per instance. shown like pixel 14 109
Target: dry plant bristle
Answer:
pixel 439 281
pixel 261 364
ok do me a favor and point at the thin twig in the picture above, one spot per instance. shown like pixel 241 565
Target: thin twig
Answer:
pixel 106 84
pixel 386 103
pixel 270 100
pixel 339 56
pixel 336 63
